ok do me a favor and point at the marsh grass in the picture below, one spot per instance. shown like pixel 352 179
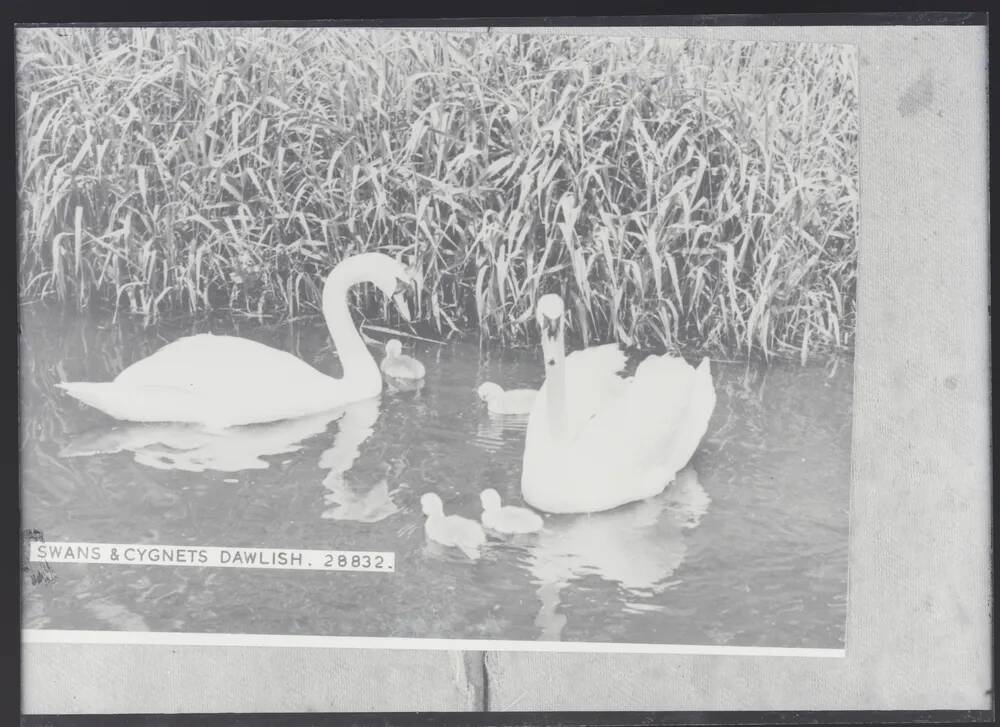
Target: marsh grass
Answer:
pixel 677 194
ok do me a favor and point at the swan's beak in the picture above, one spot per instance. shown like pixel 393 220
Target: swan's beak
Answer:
pixel 403 286
pixel 550 327
pixel 399 298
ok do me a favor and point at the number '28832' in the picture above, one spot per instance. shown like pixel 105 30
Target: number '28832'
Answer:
pixel 358 560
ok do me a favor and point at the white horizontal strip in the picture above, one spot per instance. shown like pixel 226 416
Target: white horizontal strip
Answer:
pixel 54 636
pixel 213 556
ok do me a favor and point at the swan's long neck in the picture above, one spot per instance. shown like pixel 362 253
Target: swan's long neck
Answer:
pixel 555 386
pixel 355 358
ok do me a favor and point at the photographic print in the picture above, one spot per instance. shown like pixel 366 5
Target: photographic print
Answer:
pixel 434 339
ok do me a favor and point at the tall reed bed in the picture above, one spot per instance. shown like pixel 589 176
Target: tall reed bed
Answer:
pixel 677 194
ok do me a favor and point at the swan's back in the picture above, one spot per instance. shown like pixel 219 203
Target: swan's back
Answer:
pixel 216 380
pixel 206 360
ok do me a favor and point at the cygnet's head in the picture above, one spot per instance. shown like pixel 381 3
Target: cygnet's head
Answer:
pixel 489 391
pixel 393 347
pixel 431 504
pixel 490 499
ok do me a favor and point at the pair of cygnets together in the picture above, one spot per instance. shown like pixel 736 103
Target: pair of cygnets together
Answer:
pixel 454 530
pixel 400 367
pixel 468 535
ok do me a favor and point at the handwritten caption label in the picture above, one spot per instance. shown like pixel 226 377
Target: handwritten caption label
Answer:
pixel 214 556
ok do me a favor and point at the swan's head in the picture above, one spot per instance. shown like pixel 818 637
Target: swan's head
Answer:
pixel 390 276
pixel 549 311
pixel 431 504
pixel 549 314
pixel 490 499
pixel 393 347
pixel 489 391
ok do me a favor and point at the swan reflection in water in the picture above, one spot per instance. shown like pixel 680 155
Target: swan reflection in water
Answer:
pixel 366 504
pixel 638 546
pixel 191 448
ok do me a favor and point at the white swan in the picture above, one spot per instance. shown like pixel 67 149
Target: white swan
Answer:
pixel 397 366
pixel 595 440
pixel 514 401
pixel 225 381
pixel 451 530
pixel 509 519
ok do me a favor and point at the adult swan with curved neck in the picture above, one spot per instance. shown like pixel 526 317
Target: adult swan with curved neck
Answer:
pixel 596 440
pixel 226 381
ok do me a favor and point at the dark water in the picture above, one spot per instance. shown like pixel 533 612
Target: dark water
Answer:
pixel 748 548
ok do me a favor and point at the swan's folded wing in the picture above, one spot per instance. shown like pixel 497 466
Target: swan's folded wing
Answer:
pixel 657 421
pixel 244 380
pixel 686 398
pixel 592 381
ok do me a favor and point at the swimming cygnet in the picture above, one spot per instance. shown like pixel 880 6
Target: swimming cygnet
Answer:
pixel 498 401
pixel 397 366
pixel 508 519
pixel 451 530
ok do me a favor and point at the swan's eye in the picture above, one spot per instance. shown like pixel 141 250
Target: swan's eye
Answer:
pixel 550 362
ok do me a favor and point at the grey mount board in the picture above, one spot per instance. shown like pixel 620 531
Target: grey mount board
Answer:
pixel 919 601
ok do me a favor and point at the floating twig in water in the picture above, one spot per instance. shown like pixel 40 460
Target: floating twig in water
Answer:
pixel 383 329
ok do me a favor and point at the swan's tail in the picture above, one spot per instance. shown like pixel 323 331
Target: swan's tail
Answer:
pixel 700 408
pixel 129 403
pixel 687 400
pixel 98 395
